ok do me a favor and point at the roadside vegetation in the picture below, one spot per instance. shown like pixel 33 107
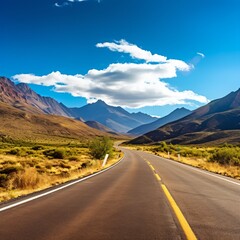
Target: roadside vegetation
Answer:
pixel 224 159
pixel 27 167
pixel 99 147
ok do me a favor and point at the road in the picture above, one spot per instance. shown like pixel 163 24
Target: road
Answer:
pixel 128 202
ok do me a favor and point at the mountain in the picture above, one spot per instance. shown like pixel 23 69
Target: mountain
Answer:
pixel 173 116
pixel 216 122
pixel 46 104
pixel 27 116
pixel 17 124
pixel 115 118
pixel 99 126
pixel 23 97
pixel 143 117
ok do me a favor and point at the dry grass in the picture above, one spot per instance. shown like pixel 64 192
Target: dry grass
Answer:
pixel 31 170
pixel 202 163
pixel 196 161
pixel 18 125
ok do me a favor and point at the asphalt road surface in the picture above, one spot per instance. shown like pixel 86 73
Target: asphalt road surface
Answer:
pixel 128 202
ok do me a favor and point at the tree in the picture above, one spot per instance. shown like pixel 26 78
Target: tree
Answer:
pixel 99 147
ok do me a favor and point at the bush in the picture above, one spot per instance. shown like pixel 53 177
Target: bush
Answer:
pixel 164 147
pixel 27 179
pixel 193 152
pixel 14 151
pixel 226 156
pixel 73 158
pixel 37 147
pixel 3 180
pixel 10 169
pixel 55 153
pixel 100 147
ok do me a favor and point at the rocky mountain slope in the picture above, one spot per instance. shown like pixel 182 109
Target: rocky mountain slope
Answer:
pixel 99 126
pixel 216 122
pixel 21 96
pixel 173 116
pixel 115 118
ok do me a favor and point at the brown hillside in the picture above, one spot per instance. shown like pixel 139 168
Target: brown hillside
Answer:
pixel 216 122
pixel 20 125
pixel 22 97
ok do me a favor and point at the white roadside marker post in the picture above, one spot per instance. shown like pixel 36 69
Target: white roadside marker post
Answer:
pixel 105 160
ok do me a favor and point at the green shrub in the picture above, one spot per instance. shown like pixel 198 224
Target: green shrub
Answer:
pixel 73 158
pixel 55 153
pixel 29 152
pixel 64 165
pixel 10 169
pixel 85 164
pixel 226 155
pixel 193 152
pixel 14 151
pixel 3 180
pixel 100 147
pixel 164 147
pixel 37 147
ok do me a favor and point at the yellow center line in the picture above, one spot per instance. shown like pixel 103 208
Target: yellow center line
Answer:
pixel 152 167
pixel 183 222
pixel 158 177
pixel 148 162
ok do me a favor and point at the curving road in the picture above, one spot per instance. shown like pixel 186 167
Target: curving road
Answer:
pixel 128 202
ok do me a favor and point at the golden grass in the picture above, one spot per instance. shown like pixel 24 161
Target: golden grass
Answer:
pixel 31 171
pixel 199 162
pixel 226 170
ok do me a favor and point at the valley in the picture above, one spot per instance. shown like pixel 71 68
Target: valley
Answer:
pixel 119 120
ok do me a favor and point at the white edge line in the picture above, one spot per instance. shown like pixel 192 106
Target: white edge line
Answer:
pixel 59 188
pixel 198 170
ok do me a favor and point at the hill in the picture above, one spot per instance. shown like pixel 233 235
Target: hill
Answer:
pixel 173 116
pixel 22 97
pixel 16 124
pixel 99 126
pixel 214 123
pixel 115 118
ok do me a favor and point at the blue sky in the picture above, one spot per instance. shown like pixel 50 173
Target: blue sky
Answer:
pixel 122 51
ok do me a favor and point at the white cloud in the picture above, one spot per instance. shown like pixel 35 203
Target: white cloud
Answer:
pixel 138 53
pixel 127 85
pixel 131 85
pixel 201 54
pixel 57 5
pixel 68 2
pixel 133 50
pixel 61 5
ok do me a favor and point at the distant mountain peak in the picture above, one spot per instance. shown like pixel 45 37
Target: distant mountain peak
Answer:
pixel 181 109
pixel 173 116
pixel 218 121
pixel 115 118
pixel 100 102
